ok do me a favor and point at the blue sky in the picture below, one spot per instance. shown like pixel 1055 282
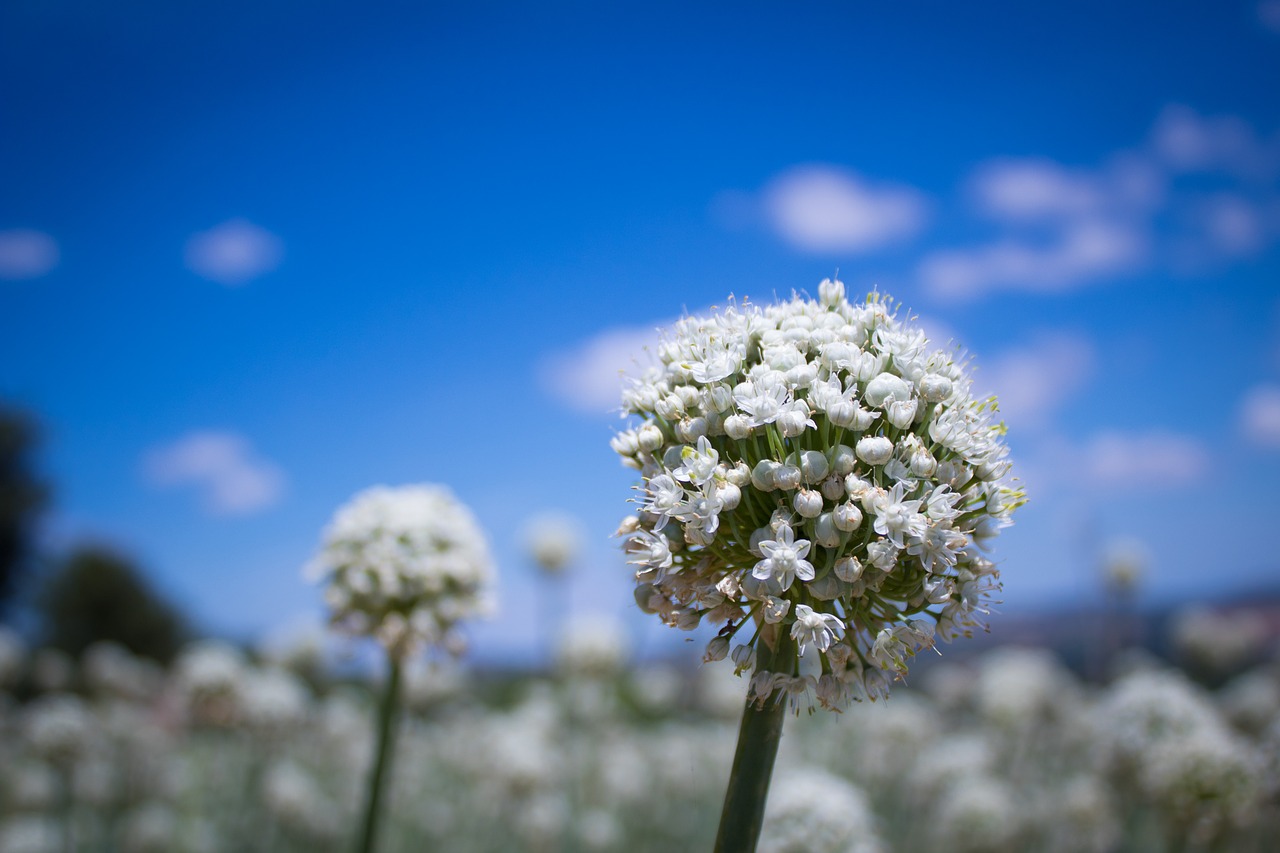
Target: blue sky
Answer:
pixel 256 257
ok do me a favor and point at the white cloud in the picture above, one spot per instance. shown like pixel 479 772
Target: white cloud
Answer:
pixel 590 377
pixel 1063 227
pixel 1269 15
pixel 1038 190
pixel 828 210
pixel 222 466
pixel 1150 460
pixel 1186 141
pixel 26 253
pixel 1021 190
pixel 1260 416
pixel 1084 252
pixel 1233 225
pixel 1033 382
pixel 233 253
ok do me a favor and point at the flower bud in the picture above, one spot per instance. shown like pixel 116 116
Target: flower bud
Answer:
pixel 644 595
pixel 901 413
pixel 689 430
pixel 719 398
pixel 825 588
pixel 813 466
pixel 848 569
pixel 787 477
pixel 874 450
pixel 884 386
pixel 825 532
pixel 689 395
pixel 847 516
pixel 669 408
pixel 730 495
pixel 625 443
pixel 934 388
pixel 758 535
pixel 954 474
pixel 802 375
pixel 843 460
pixel 744 657
pixel 922 463
pixel 764 475
pixel 737 427
pixel 832 488
pixel 831 292
pixel 716 649
pixel 808 503
pixel 991 470
pixel 649 437
pixel 739 474
pixel 843 414
pixel 792 423
pixel 856 486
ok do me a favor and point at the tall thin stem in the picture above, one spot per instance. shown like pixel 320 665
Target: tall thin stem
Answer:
pixel 382 761
pixel 758 739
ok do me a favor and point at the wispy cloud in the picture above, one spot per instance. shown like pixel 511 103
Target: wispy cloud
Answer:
pixel 1185 141
pixel 1081 253
pixel 1149 460
pixel 1269 15
pixel 222 466
pixel 1260 416
pixel 827 209
pixel 1061 228
pixel 589 378
pixel 233 253
pixel 26 253
pixel 1040 190
pixel 1034 381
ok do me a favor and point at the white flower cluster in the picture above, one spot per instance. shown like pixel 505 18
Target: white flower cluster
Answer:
pixel 815 470
pixel 405 565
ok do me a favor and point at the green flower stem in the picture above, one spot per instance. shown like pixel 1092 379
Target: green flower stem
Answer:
pixel 387 718
pixel 758 739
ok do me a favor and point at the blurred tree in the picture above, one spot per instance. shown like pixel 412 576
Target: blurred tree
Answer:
pixel 22 497
pixel 95 594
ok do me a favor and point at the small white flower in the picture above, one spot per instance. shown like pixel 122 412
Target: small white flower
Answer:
pixel 821 629
pixel 784 559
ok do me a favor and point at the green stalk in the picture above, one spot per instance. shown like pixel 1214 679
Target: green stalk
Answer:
pixel 758 739
pixel 382 760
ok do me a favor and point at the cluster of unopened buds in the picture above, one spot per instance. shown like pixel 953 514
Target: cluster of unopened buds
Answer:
pixel 404 565
pixel 819 482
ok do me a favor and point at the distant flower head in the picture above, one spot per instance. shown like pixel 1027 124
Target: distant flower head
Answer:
pixel 812 811
pixel 209 680
pixel 405 565
pixel 553 540
pixel 58 726
pixel 816 470
pixel 1124 564
pixel 13 654
pixel 592 646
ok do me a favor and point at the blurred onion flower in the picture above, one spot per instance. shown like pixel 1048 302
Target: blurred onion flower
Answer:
pixel 813 811
pixel 553 540
pixel 592 646
pixel 815 470
pixel 405 565
pixel 13 655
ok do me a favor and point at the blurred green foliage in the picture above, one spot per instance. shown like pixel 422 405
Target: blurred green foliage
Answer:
pixel 22 497
pixel 96 594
